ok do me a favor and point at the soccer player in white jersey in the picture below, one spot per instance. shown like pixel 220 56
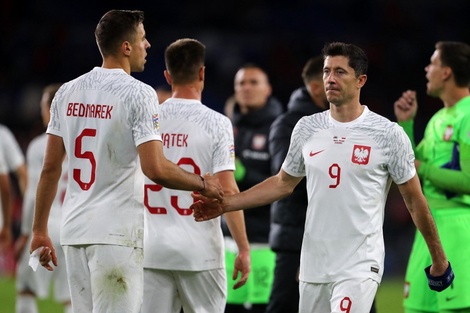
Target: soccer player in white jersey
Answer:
pixel 30 284
pixel 349 156
pixel 13 156
pixel 184 265
pixel 106 122
pixel 5 205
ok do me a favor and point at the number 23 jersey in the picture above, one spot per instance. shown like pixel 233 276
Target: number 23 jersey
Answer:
pixel 199 140
pixel 349 168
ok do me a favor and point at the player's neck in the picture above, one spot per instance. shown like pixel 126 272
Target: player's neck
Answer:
pixel 453 95
pixel 111 63
pixel 346 112
pixel 186 92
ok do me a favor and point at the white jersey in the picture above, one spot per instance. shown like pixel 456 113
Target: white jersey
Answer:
pixel 200 140
pixel 3 171
pixel 3 163
pixel 13 156
pixel 35 159
pixel 349 168
pixel 102 116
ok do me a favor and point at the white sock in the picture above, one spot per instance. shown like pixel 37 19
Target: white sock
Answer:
pixel 26 304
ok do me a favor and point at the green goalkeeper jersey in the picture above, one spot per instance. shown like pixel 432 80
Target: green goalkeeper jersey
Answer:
pixel 445 156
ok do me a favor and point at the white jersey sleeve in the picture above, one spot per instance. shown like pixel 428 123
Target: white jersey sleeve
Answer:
pixel 13 155
pixel 3 163
pixel 102 117
pixel 3 171
pixel 199 140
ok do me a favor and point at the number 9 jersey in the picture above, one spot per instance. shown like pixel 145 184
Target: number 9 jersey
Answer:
pixel 349 168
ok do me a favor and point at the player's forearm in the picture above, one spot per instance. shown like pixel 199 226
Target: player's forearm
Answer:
pixel 449 180
pixel 264 193
pixel 424 221
pixel 46 191
pixel 5 195
pixel 236 225
pixel 174 177
pixel 457 181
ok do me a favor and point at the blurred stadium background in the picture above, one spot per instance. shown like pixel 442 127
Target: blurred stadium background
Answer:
pixel 51 41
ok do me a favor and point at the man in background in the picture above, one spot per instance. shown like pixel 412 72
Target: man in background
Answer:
pixel 254 111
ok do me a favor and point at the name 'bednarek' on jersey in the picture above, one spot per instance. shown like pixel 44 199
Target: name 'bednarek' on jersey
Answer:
pixel 96 111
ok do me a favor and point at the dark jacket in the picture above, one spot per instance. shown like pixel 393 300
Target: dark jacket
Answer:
pixel 251 132
pixel 288 214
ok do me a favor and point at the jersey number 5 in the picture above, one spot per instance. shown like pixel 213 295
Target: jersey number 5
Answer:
pixel 79 154
pixel 173 199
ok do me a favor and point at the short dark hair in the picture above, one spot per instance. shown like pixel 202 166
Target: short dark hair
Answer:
pixel 456 55
pixel 115 27
pixel 183 59
pixel 252 65
pixel 312 69
pixel 357 57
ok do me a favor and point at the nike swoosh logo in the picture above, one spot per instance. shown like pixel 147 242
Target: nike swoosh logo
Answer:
pixel 315 153
pixel 450 298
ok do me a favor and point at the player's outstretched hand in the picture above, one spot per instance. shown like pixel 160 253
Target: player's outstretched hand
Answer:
pixel 205 208
pixel 440 283
pixel 47 254
pixel 212 187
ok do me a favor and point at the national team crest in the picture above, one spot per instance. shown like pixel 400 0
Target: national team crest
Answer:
pixel 448 133
pixel 360 154
pixel 258 142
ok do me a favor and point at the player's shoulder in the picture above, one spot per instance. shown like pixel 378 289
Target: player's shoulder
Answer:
pixel 5 130
pixel 376 120
pixel 315 119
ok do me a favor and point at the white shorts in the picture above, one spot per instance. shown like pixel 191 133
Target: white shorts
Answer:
pixel 105 278
pixel 39 282
pixel 196 292
pixel 347 296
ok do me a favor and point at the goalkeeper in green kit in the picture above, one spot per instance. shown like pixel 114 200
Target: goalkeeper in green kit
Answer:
pixel 443 165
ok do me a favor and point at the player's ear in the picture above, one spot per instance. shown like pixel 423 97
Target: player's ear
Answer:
pixel 126 48
pixel 167 77
pixel 202 73
pixel 361 81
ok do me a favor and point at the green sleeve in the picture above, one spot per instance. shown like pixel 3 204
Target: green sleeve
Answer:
pixel 447 179
pixel 408 127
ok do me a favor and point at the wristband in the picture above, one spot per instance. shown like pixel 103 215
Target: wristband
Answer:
pixel 439 283
pixel 203 184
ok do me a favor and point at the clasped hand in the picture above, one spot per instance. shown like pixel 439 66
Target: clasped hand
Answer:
pixel 205 208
